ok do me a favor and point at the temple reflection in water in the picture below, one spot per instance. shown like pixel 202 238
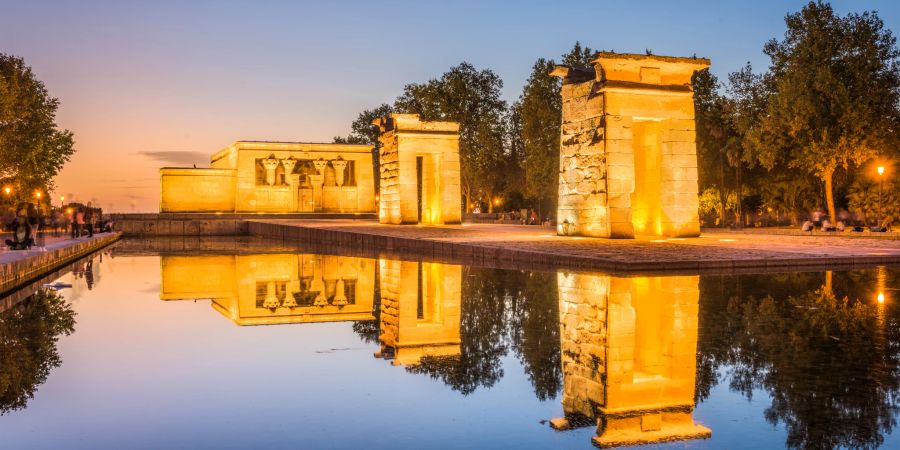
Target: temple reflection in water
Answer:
pixel 629 356
pixel 419 301
pixel 628 345
pixel 271 289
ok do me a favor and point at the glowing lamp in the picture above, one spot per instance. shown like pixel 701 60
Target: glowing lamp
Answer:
pixel 7 190
pixel 881 297
pixel 37 194
pixel 880 170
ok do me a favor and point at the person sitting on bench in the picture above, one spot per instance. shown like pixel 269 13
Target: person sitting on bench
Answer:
pixel 827 226
pixel 22 234
pixel 807 226
pixel 886 225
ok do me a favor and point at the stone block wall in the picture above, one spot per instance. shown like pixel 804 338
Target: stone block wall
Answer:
pixel 404 140
pixel 627 152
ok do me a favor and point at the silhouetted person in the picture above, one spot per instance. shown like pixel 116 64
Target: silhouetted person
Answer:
pixel 89 220
pixel 22 234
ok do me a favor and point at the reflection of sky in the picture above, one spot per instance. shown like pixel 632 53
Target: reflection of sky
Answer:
pixel 179 375
pixel 143 373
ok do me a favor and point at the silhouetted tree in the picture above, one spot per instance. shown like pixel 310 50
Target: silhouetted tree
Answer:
pixel 29 332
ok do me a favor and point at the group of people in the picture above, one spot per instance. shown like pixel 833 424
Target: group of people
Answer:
pixel 28 224
pixel 822 223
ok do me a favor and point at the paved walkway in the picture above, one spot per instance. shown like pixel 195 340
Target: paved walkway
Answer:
pixel 19 266
pixel 540 246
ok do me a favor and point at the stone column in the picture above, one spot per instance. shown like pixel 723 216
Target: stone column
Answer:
pixel 339 298
pixel 339 166
pixel 270 164
pixel 271 300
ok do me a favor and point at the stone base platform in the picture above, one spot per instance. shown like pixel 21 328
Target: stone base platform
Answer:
pixel 208 224
pixel 17 268
pixel 538 248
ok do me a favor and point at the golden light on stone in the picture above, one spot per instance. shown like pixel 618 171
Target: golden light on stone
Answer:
pixel 628 162
pixel 420 310
pixel 274 177
pixel 271 289
pixel 629 356
pixel 419 171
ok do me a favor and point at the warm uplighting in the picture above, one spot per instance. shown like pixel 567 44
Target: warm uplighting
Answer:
pixel 881 297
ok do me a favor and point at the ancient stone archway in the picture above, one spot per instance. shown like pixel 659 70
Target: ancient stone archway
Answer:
pixel 628 159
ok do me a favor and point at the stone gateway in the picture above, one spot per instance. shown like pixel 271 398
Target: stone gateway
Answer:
pixel 628 159
pixel 419 165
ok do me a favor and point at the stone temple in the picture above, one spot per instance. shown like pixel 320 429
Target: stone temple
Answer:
pixel 628 159
pixel 419 164
pixel 275 177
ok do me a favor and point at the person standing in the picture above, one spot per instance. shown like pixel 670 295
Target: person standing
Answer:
pixel 79 222
pixel 89 220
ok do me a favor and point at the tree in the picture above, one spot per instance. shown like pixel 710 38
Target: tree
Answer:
pixel 34 149
pixel 29 332
pixel 470 97
pixel 834 93
pixel 540 110
pixel 363 132
pixel 715 141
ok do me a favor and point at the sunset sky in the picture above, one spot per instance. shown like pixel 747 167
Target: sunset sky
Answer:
pixel 150 84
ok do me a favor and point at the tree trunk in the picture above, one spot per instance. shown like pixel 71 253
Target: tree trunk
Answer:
pixel 490 202
pixel 827 177
pixel 740 196
pixel 723 193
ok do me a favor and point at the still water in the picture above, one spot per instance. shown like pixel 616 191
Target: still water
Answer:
pixel 302 350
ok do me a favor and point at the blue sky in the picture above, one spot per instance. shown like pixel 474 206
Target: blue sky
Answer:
pixel 142 78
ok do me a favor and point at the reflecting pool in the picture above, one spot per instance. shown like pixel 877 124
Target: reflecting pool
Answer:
pixel 279 348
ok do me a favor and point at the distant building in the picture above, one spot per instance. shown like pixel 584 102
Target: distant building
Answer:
pixel 275 177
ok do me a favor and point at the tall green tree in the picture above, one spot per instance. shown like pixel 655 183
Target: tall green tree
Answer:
pixel 540 110
pixel 29 332
pixel 34 149
pixel 470 97
pixel 716 139
pixel 363 132
pixel 834 85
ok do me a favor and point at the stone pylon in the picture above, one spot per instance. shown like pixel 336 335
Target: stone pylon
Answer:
pixel 628 158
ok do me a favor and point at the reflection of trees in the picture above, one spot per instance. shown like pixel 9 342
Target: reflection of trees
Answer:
pixel 28 335
pixel 368 330
pixel 501 310
pixel 482 331
pixel 829 363
pixel 538 343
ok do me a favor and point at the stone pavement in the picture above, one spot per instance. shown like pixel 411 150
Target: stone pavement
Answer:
pixel 539 248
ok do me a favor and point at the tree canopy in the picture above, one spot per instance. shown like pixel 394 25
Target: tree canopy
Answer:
pixel 34 148
pixel 833 90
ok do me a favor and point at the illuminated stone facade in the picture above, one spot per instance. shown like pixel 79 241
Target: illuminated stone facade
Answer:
pixel 270 289
pixel 628 162
pixel 419 165
pixel 275 177
pixel 420 310
pixel 629 356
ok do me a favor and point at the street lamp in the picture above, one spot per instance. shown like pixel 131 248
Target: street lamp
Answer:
pixel 7 190
pixel 38 195
pixel 880 189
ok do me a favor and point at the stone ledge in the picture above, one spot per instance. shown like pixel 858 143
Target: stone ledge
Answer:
pixel 19 267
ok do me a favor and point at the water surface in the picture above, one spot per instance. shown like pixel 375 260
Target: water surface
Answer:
pixel 299 350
